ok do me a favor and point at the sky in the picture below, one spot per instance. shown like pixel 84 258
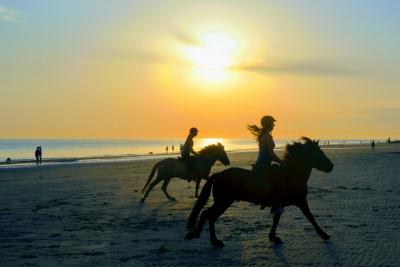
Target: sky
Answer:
pixel 153 69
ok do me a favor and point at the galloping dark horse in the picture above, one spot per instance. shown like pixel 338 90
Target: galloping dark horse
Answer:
pixel 236 184
pixel 172 167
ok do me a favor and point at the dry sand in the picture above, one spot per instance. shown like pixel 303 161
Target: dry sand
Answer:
pixel 90 215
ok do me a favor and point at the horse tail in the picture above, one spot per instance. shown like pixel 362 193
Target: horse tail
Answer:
pixel 201 201
pixel 153 171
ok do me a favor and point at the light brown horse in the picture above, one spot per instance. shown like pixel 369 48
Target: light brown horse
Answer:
pixel 173 167
pixel 236 184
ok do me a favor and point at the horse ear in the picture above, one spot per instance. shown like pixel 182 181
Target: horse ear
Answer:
pixel 318 142
pixel 306 139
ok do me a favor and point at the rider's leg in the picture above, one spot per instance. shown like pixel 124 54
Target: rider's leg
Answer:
pixel 277 194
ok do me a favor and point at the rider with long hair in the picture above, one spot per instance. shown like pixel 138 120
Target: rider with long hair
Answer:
pixel 266 155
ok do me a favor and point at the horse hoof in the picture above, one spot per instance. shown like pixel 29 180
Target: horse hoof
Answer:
pixel 172 199
pixel 190 236
pixel 142 200
pixel 325 236
pixel 217 243
pixel 275 239
pixel 190 228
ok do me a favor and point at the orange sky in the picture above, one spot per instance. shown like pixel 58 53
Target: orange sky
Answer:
pixel 150 69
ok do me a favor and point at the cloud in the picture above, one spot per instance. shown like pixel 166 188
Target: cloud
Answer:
pixel 377 111
pixel 8 15
pixel 301 68
pixel 139 56
pixel 186 39
pixel 298 68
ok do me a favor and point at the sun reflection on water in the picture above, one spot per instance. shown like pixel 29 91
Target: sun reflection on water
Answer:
pixel 203 142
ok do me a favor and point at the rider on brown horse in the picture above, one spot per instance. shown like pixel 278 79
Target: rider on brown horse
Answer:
pixel 187 149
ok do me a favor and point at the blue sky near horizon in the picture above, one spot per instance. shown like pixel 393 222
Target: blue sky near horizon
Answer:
pixel 99 69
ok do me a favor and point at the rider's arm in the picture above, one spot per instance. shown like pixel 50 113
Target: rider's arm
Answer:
pixel 189 144
pixel 269 142
pixel 194 152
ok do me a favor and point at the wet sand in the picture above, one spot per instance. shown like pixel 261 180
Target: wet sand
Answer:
pixel 90 215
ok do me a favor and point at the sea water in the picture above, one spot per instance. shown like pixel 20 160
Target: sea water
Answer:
pixel 23 149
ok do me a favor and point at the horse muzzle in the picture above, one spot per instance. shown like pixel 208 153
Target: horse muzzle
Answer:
pixel 329 168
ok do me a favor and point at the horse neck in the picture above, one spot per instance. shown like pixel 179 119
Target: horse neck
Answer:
pixel 210 158
pixel 297 174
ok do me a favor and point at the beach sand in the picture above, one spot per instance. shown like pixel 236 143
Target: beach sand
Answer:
pixel 90 215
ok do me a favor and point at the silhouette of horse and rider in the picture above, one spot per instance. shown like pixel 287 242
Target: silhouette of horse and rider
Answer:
pixel 187 167
pixel 272 182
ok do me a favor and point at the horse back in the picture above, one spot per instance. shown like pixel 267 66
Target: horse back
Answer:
pixel 241 185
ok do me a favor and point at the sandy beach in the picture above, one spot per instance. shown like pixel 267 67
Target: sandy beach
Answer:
pixel 90 215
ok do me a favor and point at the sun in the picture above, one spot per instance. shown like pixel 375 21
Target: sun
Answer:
pixel 212 56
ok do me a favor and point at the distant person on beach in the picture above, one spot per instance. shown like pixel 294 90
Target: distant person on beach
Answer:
pixel 266 156
pixel 38 155
pixel 166 149
pixel 373 146
pixel 172 149
pixel 187 149
pixel 8 161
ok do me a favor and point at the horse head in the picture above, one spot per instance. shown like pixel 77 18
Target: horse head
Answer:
pixel 309 152
pixel 223 157
pixel 318 158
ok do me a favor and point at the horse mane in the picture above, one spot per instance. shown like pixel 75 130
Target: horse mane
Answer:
pixel 299 149
pixel 210 148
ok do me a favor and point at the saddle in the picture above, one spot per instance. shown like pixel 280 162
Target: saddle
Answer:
pixel 273 170
pixel 190 164
pixel 273 175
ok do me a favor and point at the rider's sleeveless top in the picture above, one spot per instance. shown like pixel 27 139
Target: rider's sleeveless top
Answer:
pixel 264 158
pixel 187 147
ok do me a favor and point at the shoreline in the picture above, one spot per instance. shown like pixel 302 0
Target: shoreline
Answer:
pixel 30 163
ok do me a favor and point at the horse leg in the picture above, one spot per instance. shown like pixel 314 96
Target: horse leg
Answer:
pixel 164 188
pixel 196 234
pixel 272 232
pixel 214 212
pixel 154 183
pixel 198 180
pixel 306 211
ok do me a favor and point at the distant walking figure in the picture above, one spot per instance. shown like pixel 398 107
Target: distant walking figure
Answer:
pixel 38 155
pixel 373 145
pixel 187 149
pixel 266 156
pixel 166 149
pixel 172 149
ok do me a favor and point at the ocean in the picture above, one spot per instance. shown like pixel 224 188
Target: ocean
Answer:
pixel 23 149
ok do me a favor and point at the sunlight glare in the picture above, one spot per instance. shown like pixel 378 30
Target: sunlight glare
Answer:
pixel 212 57
pixel 210 141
